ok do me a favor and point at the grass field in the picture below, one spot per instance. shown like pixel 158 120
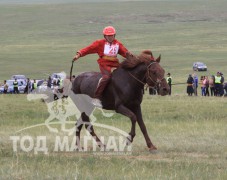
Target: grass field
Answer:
pixel 41 38
pixel 190 134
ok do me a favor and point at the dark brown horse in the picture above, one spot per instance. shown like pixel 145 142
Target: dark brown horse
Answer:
pixel 124 92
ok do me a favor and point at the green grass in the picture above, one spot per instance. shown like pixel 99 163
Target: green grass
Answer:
pixel 190 132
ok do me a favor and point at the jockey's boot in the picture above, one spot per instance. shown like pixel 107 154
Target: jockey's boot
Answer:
pixel 99 90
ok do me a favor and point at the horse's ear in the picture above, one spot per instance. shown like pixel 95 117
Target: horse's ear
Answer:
pixel 158 59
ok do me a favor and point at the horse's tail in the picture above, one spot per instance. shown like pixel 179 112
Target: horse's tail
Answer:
pixel 76 84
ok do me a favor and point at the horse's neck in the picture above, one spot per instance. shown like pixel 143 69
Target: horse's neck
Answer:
pixel 139 73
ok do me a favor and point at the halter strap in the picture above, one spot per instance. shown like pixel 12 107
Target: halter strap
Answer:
pixel 155 82
pixel 153 62
pixel 147 72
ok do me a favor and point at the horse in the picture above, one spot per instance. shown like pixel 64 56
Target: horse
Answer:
pixel 124 92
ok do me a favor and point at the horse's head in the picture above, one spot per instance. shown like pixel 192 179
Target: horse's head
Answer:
pixel 155 74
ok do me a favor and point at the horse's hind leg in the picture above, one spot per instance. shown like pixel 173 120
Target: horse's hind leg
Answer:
pixel 90 128
pixel 79 125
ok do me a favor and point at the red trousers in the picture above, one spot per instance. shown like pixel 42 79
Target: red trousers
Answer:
pixel 106 71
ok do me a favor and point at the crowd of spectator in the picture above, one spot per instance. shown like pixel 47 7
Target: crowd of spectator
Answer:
pixel 210 86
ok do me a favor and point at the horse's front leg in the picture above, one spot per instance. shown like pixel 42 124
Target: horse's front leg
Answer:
pixel 143 128
pixel 127 112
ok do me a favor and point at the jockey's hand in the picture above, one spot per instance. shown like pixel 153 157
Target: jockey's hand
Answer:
pixel 77 56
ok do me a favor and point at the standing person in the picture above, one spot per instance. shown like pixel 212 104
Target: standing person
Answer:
pixel 217 84
pixel 15 87
pixel 169 81
pixel 206 82
pixel 49 82
pixel 28 86
pixel 55 89
pixel 211 84
pixel 190 85
pixel 225 88
pixel 34 85
pixel 222 85
pixel 195 84
pixel 60 83
pixel 203 88
pixel 107 49
pixel 152 91
pixel 5 86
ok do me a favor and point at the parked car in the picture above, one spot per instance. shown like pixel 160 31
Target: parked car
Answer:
pixel 21 86
pixel 199 66
pixel 56 76
pixel 18 76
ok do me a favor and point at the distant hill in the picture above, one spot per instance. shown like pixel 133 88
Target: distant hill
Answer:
pixel 68 1
pixel 38 1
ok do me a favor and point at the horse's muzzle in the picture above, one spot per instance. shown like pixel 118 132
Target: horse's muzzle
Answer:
pixel 164 91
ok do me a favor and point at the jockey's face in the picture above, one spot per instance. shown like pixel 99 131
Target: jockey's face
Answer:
pixel 110 38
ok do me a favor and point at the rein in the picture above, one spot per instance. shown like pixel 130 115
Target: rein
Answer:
pixel 147 75
pixel 137 78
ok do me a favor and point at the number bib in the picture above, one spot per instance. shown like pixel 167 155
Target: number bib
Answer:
pixel 111 50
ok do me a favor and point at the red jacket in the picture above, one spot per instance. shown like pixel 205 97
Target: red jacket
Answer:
pixel 107 53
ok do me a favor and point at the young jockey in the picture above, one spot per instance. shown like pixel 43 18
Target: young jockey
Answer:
pixel 107 49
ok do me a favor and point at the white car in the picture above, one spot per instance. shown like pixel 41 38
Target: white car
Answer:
pixel 18 76
pixel 58 75
pixel 199 66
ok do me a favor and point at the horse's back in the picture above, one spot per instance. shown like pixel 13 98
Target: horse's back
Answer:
pixel 118 88
pixel 86 83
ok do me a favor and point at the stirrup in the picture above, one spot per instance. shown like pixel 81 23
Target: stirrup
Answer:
pixel 97 103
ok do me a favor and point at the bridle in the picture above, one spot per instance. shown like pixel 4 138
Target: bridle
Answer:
pixel 148 76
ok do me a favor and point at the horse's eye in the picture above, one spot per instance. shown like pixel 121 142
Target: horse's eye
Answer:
pixel 154 73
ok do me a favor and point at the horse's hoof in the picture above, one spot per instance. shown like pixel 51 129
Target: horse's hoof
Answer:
pixel 129 140
pixel 153 150
pixel 103 147
pixel 79 149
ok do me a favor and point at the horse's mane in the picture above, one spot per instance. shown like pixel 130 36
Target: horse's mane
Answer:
pixel 132 61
